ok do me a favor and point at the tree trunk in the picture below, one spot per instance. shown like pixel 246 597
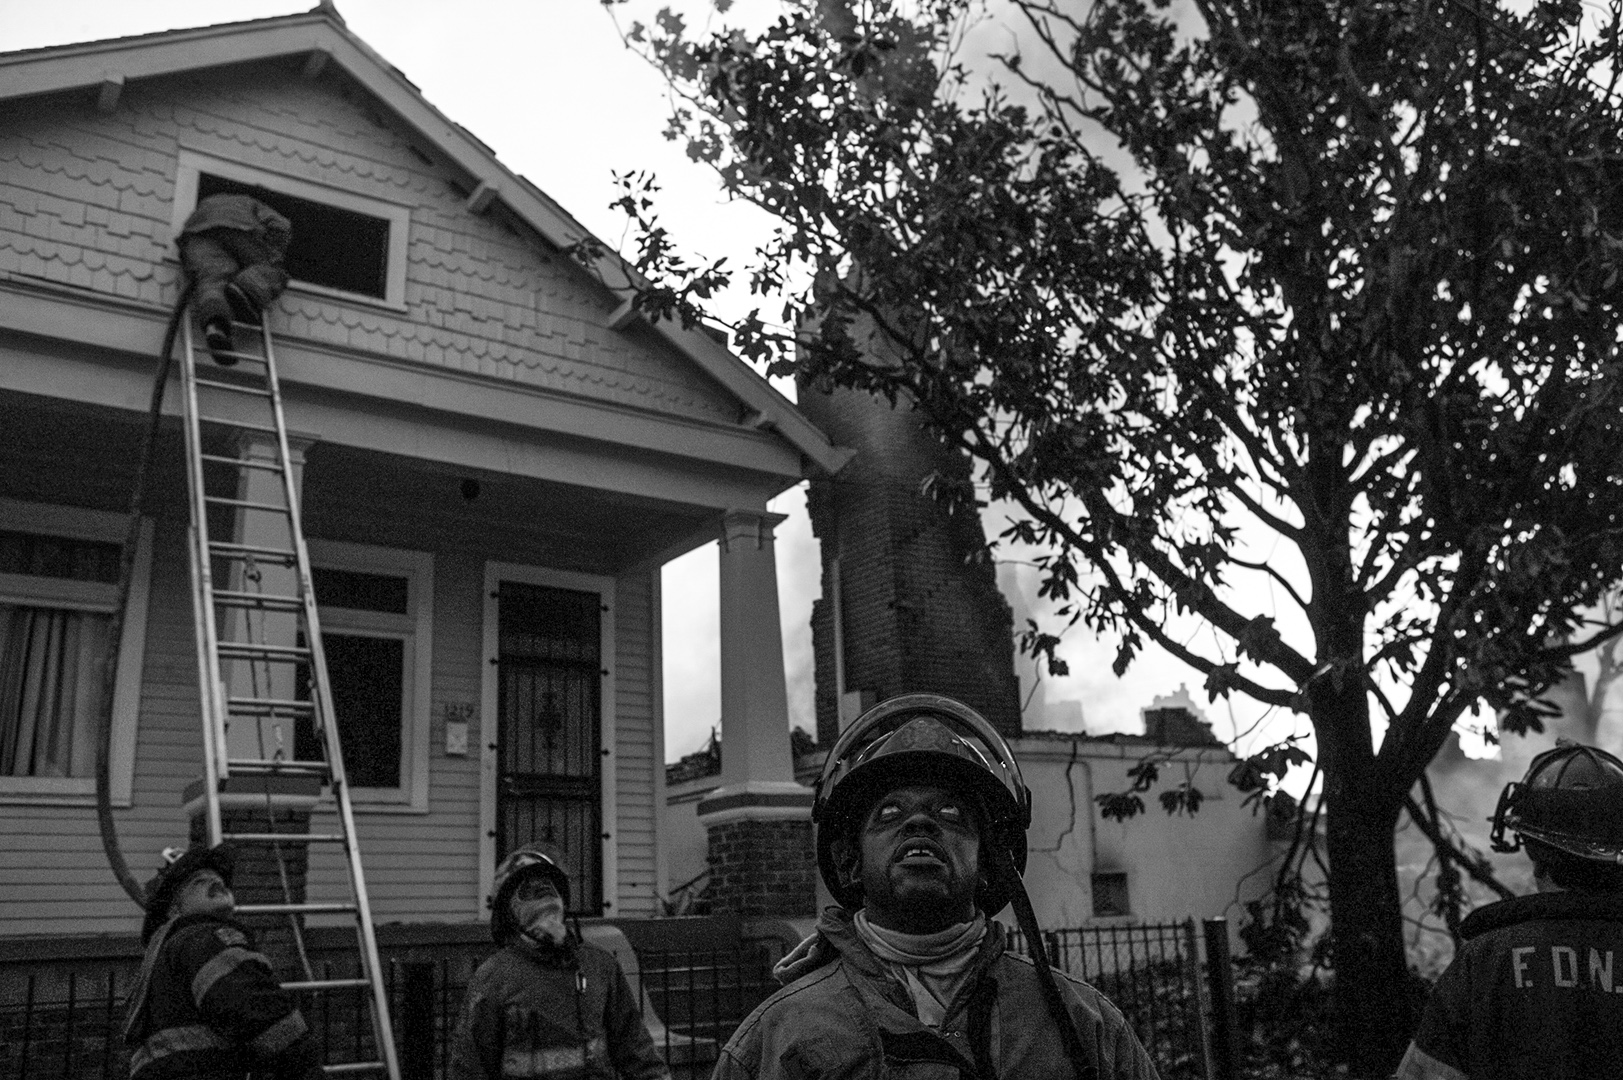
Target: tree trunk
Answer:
pixel 1373 1003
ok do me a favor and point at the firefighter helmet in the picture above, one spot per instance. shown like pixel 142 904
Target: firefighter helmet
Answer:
pixel 178 866
pixel 925 738
pixel 527 861
pixel 1571 799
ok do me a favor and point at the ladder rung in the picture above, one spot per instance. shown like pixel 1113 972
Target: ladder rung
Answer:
pixel 284 837
pixel 240 388
pixel 244 504
pixel 247 650
pixel 242 463
pixel 257 358
pixel 327 984
pixel 240 425
pixel 296 909
pixel 247 706
pixel 263 767
pixel 243 551
pixel 346 1067
pixel 268 601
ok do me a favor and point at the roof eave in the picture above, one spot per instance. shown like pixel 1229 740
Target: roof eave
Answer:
pixel 91 64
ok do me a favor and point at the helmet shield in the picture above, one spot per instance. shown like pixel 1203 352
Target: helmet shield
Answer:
pixel 924 739
pixel 526 861
pixel 1570 799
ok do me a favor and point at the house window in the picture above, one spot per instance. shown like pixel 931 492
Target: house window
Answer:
pixel 343 244
pixel 59 569
pixel 1110 895
pixel 376 627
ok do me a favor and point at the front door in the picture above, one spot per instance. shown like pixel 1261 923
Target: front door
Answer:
pixel 549 702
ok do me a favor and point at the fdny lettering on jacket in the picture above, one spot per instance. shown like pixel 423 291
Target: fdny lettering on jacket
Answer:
pixel 1564 967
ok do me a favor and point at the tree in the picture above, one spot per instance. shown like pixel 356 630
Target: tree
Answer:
pixel 1357 295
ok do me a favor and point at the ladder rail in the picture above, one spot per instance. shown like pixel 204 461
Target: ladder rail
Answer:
pixel 211 686
pixel 326 721
pixel 216 700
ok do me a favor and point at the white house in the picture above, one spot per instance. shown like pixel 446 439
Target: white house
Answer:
pixel 497 454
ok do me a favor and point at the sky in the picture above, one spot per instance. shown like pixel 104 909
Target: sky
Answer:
pixel 549 85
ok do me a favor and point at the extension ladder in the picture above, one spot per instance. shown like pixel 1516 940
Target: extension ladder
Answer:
pixel 246 399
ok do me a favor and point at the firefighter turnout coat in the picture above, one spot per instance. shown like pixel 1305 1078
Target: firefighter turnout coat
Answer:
pixel 565 1012
pixel 843 1014
pixel 1536 990
pixel 206 1006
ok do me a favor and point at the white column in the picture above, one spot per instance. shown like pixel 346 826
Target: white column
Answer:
pixel 757 769
pixel 250 738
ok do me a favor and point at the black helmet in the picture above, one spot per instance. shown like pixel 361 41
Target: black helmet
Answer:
pixel 1570 799
pixel 526 861
pixel 178 866
pixel 925 738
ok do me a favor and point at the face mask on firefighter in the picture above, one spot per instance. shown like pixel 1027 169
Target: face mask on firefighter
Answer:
pixel 538 909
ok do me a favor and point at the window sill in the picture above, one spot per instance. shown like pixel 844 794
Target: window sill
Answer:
pixel 322 292
pixel 13 797
pixel 362 804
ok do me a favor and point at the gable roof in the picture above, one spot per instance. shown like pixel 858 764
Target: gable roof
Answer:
pixel 321 37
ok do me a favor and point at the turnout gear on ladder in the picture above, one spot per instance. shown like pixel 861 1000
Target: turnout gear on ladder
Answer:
pixel 247 400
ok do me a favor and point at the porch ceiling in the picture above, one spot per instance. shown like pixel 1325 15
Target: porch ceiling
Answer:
pixel 350 493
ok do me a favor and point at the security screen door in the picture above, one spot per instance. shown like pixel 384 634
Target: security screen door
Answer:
pixel 549 674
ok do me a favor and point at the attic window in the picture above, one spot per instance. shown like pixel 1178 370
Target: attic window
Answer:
pixel 345 244
pixel 338 248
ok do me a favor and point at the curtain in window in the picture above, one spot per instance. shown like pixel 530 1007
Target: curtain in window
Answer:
pixel 50 690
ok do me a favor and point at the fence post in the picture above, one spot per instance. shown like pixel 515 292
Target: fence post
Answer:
pixel 416 1022
pixel 1225 1025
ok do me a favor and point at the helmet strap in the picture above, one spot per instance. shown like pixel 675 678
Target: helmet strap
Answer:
pixel 1081 1063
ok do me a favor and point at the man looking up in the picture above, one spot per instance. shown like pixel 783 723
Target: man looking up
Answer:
pixel 921 816
pixel 1536 986
pixel 206 1006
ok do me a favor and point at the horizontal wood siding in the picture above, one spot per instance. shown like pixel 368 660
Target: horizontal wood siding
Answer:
pixel 86 201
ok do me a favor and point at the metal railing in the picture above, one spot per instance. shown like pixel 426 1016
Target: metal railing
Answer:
pixel 60 1023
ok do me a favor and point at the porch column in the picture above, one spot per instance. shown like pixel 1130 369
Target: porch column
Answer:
pixel 262 803
pixel 248 738
pixel 762 863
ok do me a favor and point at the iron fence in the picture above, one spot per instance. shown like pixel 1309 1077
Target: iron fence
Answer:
pixel 63 1022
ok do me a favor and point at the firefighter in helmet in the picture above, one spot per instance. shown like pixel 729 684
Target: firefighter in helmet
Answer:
pixel 921 818
pixel 206 1006
pixel 1536 988
pixel 547 1003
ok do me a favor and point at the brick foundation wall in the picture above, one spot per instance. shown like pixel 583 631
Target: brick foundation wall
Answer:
pixel 763 869
pixel 258 877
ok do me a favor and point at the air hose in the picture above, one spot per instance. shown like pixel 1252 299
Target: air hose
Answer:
pixel 115 632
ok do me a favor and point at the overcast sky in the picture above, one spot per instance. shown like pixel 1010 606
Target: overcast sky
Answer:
pixel 548 85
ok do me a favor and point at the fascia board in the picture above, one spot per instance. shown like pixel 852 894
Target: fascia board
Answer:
pixel 72 67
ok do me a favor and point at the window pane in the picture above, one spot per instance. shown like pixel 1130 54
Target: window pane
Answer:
pixel 40 555
pixel 368 684
pixel 1110 894
pixel 361 591
pixel 50 690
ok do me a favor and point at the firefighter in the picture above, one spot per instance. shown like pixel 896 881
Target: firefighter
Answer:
pixel 921 818
pixel 233 246
pixel 206 1006
pixel 1536 988
pixel 547 1003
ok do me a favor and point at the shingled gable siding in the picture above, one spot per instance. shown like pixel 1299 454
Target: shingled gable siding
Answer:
pixel 86 200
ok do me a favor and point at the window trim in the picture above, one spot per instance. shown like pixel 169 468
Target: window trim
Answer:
pixel 398 215
pixel 72 521
pixel 411 797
